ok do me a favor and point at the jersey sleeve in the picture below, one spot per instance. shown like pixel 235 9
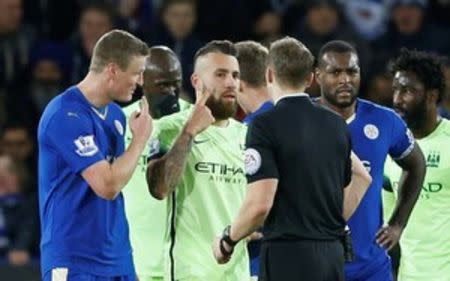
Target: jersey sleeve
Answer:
pixel 73 137
pixel 260 162
pixel 165 132
pixel 402 141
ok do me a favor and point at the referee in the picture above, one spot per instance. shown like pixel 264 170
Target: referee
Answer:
pixel 301 183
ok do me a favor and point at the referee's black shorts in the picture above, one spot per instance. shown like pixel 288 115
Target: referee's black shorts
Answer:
pixel 302 260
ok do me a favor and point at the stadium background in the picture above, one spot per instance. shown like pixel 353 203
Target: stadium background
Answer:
pixel 45 46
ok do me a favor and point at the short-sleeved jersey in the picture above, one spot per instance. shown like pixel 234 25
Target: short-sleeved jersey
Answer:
pixel 146 216
pixel 425 242
pixel 80 230
pixel 376 132
pixel 208 198
pixel 307 148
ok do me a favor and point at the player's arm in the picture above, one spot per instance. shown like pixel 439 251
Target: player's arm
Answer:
pixel 262 175
pixel 409 186
pixel 254 209
pixel 163 174
pixel 107 180
pixel 355 190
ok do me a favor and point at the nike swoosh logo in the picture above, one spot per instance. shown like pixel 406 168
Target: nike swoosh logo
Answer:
pixel 200 141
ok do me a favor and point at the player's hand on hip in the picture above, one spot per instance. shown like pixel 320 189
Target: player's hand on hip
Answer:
pixel 201 116
pixel 218 254
pixel 389 235
pixel 141 123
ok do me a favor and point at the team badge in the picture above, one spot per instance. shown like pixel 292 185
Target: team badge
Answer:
pixel 371 131
pixel 252 161
pixel 86 146
pixel 119 127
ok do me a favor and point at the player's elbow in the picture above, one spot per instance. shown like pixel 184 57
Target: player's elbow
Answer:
pixel 157 193
pixel 106 192
pixel 262 209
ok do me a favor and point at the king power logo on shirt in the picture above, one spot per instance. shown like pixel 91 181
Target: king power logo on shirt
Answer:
pixel 221 172
pixel 433 159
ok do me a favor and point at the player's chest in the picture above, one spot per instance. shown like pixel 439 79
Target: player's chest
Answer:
pixel 109 135
pixel 370 141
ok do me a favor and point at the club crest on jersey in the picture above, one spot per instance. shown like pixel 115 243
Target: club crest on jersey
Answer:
pixel 86 146
pixel 371 131
pixel 119 127
pixel 252 161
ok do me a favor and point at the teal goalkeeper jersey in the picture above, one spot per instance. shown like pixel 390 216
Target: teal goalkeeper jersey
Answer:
pixel 208 197
pixel 146 215
pixel 425 242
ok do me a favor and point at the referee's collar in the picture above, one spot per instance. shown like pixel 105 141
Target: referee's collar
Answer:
pixel 293 95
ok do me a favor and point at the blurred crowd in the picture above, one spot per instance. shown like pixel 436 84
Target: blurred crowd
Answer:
pixel 45 46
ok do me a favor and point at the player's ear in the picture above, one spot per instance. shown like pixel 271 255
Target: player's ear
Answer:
pixel 309 80
pixel 111 70
pixel 433 96
pixel 195 79
pixel 318 75
pixel 242 86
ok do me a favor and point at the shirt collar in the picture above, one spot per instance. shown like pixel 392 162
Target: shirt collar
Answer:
pixel 290 96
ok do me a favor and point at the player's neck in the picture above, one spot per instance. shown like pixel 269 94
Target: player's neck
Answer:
pixel 93 90
pixel 261 96
pixel 345 112
pixel 221 123
pixel 430 124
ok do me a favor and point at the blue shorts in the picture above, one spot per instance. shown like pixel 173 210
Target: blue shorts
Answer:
pixel 382 272
pixel 64 274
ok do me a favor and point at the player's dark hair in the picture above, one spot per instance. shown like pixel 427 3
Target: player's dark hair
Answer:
pixel 428 67
pixel 216 46
pixel 335 46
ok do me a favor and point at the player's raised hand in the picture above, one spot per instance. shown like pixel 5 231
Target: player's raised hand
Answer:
pixel 141 123
pixel 201 116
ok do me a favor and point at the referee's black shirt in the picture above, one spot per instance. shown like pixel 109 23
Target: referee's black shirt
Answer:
pixel 307 148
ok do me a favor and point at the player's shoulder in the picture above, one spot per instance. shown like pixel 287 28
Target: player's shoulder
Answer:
pixel 116 110
pixel 177 117
pixel 172 122
pixel 445 124
pixel 237 126
pixel 68 104
pixel 366 106
pixel 382 113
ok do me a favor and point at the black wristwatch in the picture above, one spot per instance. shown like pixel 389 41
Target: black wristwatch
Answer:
pixel 227 239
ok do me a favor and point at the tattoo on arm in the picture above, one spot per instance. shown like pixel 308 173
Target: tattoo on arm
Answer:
pixel 164 174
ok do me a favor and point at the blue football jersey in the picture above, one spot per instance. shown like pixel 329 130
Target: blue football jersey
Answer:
pixel 376 131
pixel 80 230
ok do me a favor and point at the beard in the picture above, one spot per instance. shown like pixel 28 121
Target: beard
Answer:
pixel 333 98
pixel 220 109
pixel 417 116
